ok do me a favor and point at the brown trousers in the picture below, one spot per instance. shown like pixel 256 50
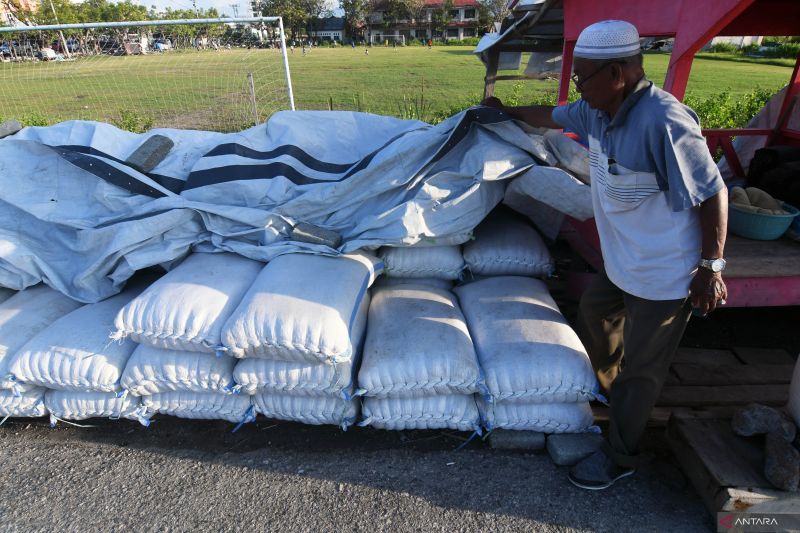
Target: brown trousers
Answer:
pixel 631 342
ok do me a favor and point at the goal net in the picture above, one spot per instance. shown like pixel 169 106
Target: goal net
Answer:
pixel 221 74
pixel 387 39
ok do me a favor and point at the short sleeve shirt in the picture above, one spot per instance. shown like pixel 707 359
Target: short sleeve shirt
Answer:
pixel 650 170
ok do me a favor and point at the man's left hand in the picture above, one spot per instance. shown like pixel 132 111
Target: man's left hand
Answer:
pixel 707 291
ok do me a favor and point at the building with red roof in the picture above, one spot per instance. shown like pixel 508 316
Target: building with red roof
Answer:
pixel 388 21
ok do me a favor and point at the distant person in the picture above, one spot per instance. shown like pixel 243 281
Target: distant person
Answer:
pixel 430 44
pixel 661 210
pixel 366 51
pixel 353 43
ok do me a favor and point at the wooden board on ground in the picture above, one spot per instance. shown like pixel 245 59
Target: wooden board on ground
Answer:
pixel 691 374
pixel 726 470
pixel 700 356
pixel 763 356
pixel 703 395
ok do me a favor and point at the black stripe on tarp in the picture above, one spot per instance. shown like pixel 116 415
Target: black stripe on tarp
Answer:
pixel 171 184
pixel 298 153
pixel 106 172
pixel 476 115
pixel 213 176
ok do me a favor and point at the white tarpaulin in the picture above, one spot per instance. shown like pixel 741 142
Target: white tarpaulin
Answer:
pixel 74 215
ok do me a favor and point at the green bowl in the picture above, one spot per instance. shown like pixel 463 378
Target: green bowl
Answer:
pixel 760 226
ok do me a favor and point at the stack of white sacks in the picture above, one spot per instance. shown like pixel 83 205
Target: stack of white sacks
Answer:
pixel 178 322
pixel 22 316
pixel 299 333
pixel 79 365
pixel 420 368
pixel 225 337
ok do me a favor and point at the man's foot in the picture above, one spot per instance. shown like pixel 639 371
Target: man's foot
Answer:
pixel 597 472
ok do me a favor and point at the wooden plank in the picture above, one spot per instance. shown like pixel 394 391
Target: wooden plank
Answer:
pixel 726 470
pixel 658 416
pixel 761 259
pixel 701 356
pixel 763 356
pixel 739 499
pixel 698 395
pixel 689 374
pixel 730 460
pixel 693 467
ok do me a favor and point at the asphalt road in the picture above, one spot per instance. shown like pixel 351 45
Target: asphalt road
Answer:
pixel 182 475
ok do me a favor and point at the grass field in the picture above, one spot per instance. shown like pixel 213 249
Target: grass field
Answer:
pixel 191 89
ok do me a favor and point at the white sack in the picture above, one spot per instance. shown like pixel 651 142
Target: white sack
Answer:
pixel 454 411
pixel 794 394
pixel 417 344
pixel 545 195
pixel 70 405
pixel 306 379
pixel 307 409
pixel 303 308
pixel 5 294
pixel 74 353
pixel 442 262
pixel 525 347
pixel 200 405
pixel 24 404
pixel 571 155
pixel 541 417
pixel 186 309
pixel 385 281
pixel 504 245
pixel 152 370
pixel 24 315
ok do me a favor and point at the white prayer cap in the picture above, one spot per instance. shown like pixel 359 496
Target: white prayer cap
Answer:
pixel 608 39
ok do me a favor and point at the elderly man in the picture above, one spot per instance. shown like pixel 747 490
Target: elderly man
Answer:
pixel 660 207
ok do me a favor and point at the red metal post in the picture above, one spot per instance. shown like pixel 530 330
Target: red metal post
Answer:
pixel 566 71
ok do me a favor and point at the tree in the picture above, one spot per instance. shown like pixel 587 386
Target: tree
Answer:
pixel 441 17
pixel 293 12
pixel 497 9
pixel 355 13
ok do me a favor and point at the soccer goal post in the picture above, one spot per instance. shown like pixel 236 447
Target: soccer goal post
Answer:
pixel 387 39
pixel 220 74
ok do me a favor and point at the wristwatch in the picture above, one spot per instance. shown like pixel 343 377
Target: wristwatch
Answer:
pixel 714 265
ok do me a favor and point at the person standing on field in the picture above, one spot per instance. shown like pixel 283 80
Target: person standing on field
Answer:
pixel 660 206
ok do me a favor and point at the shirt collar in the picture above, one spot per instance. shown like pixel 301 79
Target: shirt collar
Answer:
pixel 641 87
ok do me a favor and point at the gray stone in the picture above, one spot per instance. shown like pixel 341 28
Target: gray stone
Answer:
pixel 305 232
pixel 781 462
pixel 569 448
pixel 508 439
pixel 756 419
pixel 150 153
pixel 9 127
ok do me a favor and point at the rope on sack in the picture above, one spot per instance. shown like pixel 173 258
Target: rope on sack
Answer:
pixel 249 416
pixel 54 420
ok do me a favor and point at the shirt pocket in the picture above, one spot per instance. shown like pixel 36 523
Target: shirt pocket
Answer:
pixel 626 189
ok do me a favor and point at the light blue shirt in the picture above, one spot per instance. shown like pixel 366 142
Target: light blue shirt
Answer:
pixel 650 169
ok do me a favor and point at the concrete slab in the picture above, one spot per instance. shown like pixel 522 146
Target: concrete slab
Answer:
pixel 507 439
pixel 150 153
pixel 9 127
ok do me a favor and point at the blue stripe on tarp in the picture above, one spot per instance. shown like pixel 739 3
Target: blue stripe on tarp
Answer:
pixel 106 172
pixel 298 153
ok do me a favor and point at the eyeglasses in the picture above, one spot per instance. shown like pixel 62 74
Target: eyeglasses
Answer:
pixel 579 83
